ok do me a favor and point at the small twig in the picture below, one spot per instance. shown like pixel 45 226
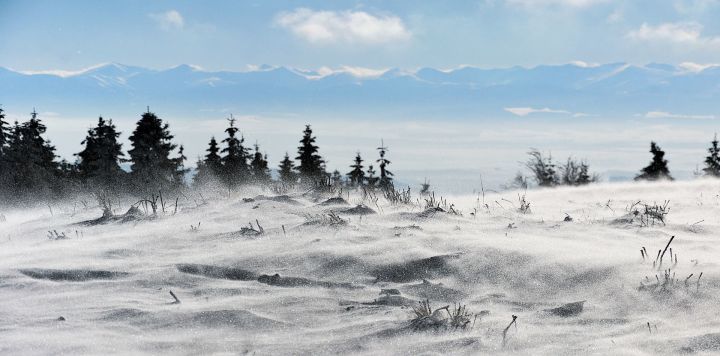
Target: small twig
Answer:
pixel 504 334
pixel 177 301
pixel 666 248
pixel 697 287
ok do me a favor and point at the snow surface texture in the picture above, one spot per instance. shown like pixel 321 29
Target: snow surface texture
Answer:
pixel 315 288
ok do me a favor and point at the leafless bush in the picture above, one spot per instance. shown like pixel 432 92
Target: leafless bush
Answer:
pixel 649 214
pixel 281 188
pixel 54 235
pixel 396 197
pixel 427 318
pixel 105 202
pixel 440 204
pixel 250 229
pixel 524 207
pixel 542 169
pixel 460 317
pixel 329 219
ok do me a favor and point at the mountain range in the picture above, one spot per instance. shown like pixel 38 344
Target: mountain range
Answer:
pixel 616 90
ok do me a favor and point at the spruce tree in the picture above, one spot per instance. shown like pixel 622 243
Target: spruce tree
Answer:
pixel 209 167
pixel 286 170
pixel 371 180
pixel 312 166
pixel 657 169
pixel 180 170
pixel 712 161
pixel 385 175
pixel 202 174
pixel 357 175
pixel 4 164
pixel 99 160
pixel 4 133
pixel 212 158
pixel 235 162
pixel 259 167
pixel 31 160
pixel 152 168
pixel 336 178
pixel 584 177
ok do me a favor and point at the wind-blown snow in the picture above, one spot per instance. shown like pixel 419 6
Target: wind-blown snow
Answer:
pixel 111 282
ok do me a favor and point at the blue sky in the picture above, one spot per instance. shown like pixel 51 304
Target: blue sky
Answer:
pixel 230 35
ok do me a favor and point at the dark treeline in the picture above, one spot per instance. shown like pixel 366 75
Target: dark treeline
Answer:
pixel 29 167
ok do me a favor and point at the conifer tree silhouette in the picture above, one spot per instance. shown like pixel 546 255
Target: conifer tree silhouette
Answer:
pixel 336 178
pixel 5 131
pixel 235 162
pixel 371 179
pixel 357 176
pixel 287 170
pixel 657 169
pixel 99 161
pixel 31 160
pixel 385 174
pixel 712 161
pixel 312 166
pixel 259 167
pixel 152 169
pixel 180 170
pixel 209 167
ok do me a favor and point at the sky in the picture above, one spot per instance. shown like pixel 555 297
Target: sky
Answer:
pixel 235 35
pixel 57 36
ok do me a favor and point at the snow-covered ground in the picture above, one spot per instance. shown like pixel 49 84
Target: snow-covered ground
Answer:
pixel 111 282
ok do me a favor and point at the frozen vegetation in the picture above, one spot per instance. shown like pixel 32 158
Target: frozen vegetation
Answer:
pixel 548 271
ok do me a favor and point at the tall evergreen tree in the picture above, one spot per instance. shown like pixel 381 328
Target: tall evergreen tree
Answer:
pixel 212 158
pixel 180 170
pixel 357 175
pixel 4 133
pixel 209 167
pixel 371 179
pixel 336 178
pixel 312 166
pixel 657 169
pixel 385 174
pixel 259 167
pixel 99 160
pixel 31 160
pixel 712 161
pixel 152 168
pixel 286 170
pixel 235 162
pixel 4 164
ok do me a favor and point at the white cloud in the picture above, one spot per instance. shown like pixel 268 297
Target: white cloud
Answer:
pixel 64 73
pixel 525 111
pixel 357 72
pixel 694 6
pixel 616 16
pixel 688 33
pixel 327 27
pixel 583 64
pixel 696 67
pixel 169 20
pixel 566 3
pixel 668 115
